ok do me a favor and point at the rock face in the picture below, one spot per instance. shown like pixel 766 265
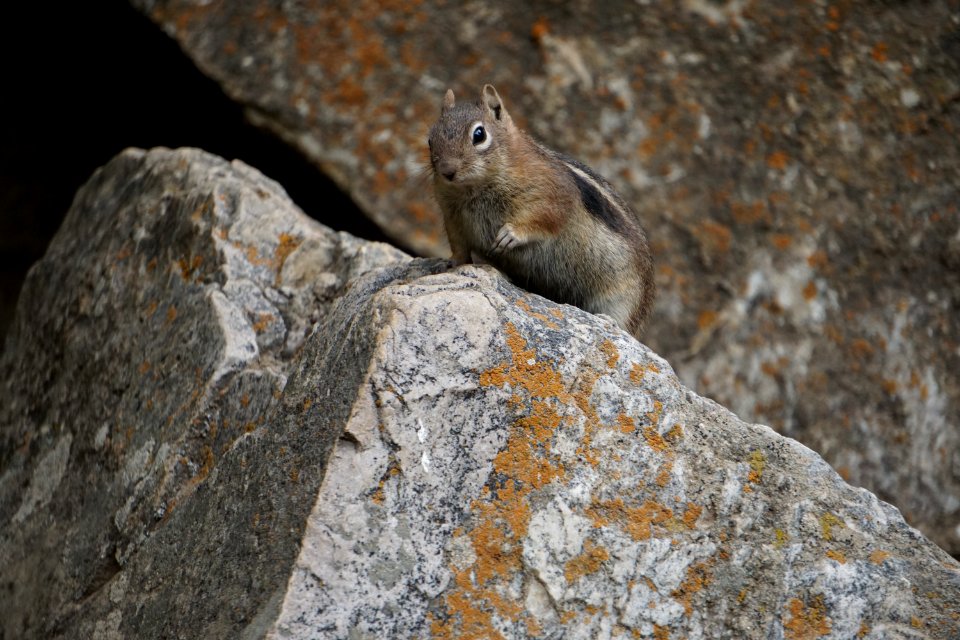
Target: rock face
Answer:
pixel 159 329
pixel 795 163
pixel 444 456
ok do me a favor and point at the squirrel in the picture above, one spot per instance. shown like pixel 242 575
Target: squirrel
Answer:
pixel 548 222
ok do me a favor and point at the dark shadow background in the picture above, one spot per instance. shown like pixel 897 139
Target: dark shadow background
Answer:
pixel 85 80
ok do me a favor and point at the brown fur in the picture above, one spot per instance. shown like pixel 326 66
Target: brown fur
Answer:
pixel 549 223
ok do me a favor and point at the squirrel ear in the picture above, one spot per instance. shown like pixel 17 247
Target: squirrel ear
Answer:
pixel 448 100
pixel 492 100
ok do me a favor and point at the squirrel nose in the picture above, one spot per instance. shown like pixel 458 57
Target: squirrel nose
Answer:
pixel 448 168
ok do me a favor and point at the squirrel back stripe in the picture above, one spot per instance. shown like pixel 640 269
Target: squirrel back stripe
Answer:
pixel 597 201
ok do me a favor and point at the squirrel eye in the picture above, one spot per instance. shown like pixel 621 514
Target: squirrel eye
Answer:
pixel 479 135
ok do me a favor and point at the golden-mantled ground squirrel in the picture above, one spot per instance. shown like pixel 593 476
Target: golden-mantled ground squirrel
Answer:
pixel 551 224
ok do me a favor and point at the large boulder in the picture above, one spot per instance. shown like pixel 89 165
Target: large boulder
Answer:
pixel 160 328
pixel 796 165
pixel 444 455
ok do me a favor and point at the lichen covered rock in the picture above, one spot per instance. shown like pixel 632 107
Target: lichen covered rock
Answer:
pixel 514 469
pixel 795 164
pixel 445 455
pixel 158 330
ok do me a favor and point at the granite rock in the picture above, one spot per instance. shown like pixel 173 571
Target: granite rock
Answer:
pixel 796 165
pixel 514 469
pixel 444 455
pixel 158 330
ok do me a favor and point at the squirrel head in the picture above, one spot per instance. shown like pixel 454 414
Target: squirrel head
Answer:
pixel 467 141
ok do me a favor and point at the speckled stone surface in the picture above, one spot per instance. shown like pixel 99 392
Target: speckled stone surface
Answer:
pixel 157 333
pixel 444 456
pixel 515 469
pixel 796 165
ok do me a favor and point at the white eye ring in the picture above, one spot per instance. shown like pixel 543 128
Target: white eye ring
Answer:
pixel 480 136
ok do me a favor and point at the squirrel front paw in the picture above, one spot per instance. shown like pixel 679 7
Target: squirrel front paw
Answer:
pixel 506 239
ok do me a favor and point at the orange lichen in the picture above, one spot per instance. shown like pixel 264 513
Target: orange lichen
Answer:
pixel 663 476
pixel 810 290
pixel 263 321
pixel 638 371
pixel 189 267
pixel 698 576
pixel 626 423
pixel 349 93
pixel 706 319
pixel 524 457
pixel 660 633
pixel 208 462
pixel 691 515
pixel 610 350
pixel 370 54
pixel 539 29
pixel 781 240
pixel 589 561
pixel 501 515
pixel 879 52
pixel 253 256
pixel 287 244
pixel 419 211
pixel 602 513
pixel 640 521
pixel 522 304
pixel 861 348
pixel 744 213
pixel 382 184
pixel 837 555
pixel 778 160
pixel 878 556
pixel 476 605
pixel 538 379
pixel 714 237
pixel 806 622
pixel 674 435
pixel 818 259
pixel 654 439
pixel 654 416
